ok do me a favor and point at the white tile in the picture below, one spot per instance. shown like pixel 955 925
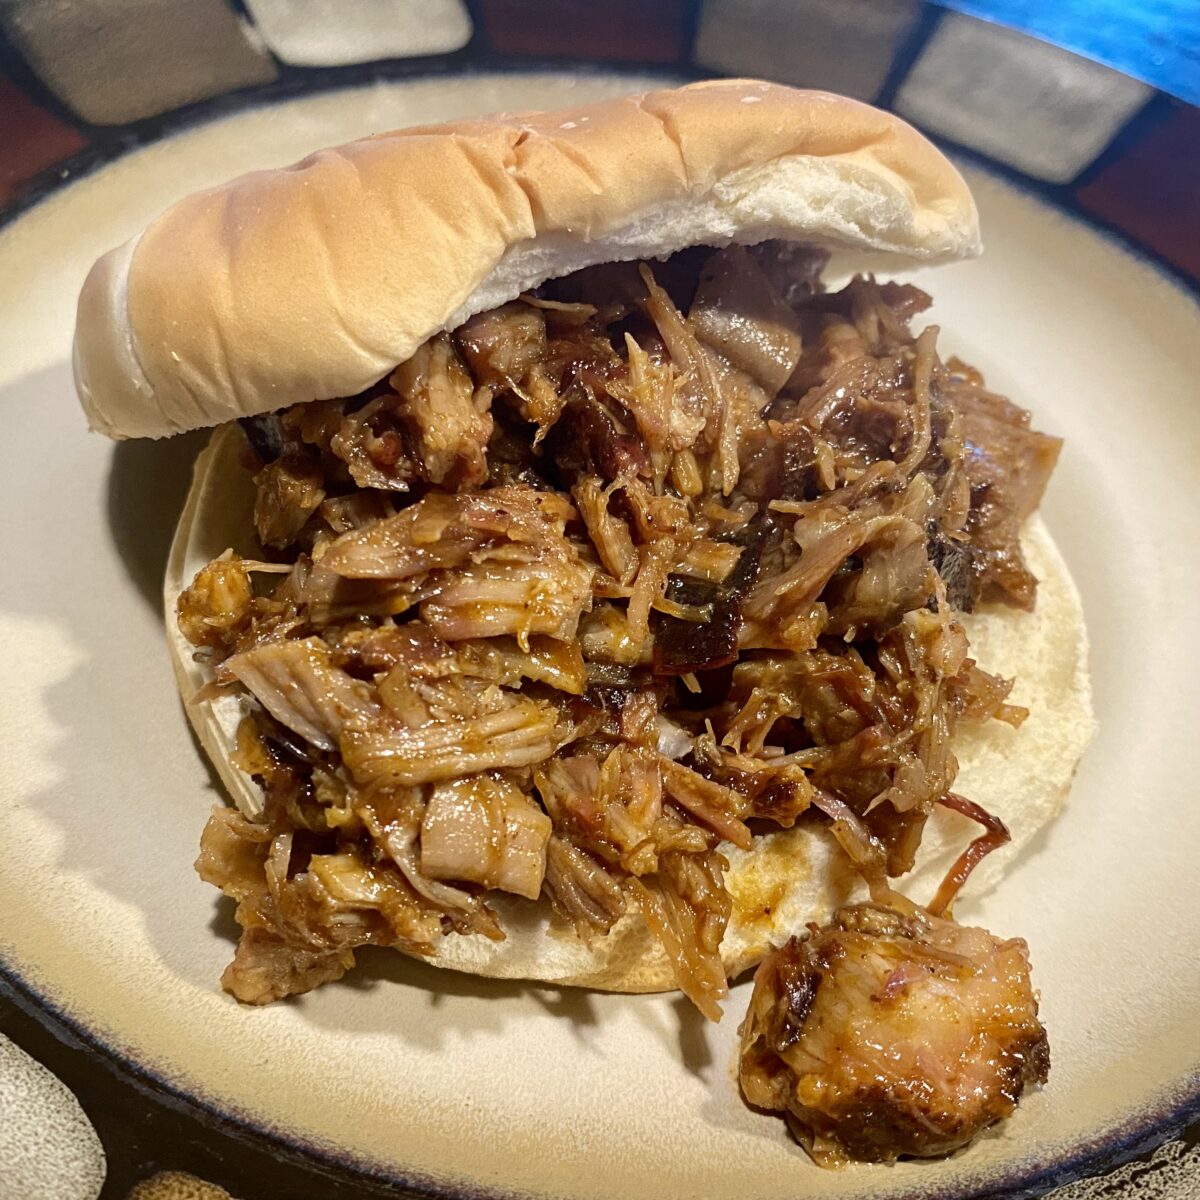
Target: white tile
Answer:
pixel 1040 109
pixel 836 45
pixel 114 61
pixel 318 33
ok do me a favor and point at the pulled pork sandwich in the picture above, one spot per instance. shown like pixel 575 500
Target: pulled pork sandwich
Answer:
pixel 580 588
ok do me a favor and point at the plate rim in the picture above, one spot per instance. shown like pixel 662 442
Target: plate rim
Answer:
pixel 1150 1128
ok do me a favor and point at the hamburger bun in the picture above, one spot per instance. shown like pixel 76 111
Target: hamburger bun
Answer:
pixel 296 289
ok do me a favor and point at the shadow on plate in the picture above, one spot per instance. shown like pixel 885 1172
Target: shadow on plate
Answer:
pixel 379 967
pixel 147 484
pixel 673 1020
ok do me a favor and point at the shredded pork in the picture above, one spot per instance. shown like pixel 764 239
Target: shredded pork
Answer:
pixel 655 559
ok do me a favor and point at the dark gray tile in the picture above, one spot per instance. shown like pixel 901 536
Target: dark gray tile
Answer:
pixel 114 61
pixel 842 46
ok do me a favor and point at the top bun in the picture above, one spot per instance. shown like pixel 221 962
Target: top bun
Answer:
pixel 316 280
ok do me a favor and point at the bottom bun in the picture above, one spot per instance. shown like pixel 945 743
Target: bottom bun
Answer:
pixel 789 877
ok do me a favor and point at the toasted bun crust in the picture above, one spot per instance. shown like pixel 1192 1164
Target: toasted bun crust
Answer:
pixel 314 281
pixel 787 878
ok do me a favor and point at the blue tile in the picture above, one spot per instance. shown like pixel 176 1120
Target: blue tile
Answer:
pixel 1157 41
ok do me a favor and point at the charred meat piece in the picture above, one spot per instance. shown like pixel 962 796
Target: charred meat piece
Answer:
pixel 793 271
pixel 586 440
pixel 952 560
pixel 881 1035
pixel 681 646
pixel 266 436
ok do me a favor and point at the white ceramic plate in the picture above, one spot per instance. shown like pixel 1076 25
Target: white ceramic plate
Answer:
pixel 458 1085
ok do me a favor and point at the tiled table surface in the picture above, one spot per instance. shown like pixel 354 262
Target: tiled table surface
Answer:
pixel 82 81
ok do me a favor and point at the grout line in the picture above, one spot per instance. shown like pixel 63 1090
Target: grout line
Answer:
pixel 692 13
pixel 907 54
pixel 22 75
pixel 1157 109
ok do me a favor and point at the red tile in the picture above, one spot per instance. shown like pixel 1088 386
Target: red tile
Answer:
pixel 31 139
pixel 643 30
pixel 1152 193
